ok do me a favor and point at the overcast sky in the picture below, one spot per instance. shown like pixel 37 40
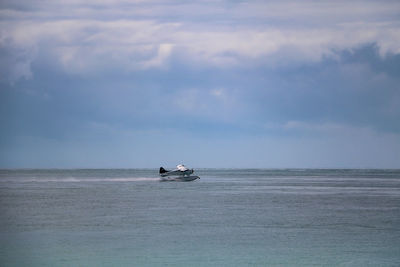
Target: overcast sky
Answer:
pixel 266 84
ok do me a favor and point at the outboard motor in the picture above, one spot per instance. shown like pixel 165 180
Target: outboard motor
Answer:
pixel 162 170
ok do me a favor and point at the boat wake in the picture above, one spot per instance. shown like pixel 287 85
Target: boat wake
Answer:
pixel 82 180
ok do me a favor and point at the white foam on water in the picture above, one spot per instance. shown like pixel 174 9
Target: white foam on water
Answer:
pixel 78 180
pixel 133 179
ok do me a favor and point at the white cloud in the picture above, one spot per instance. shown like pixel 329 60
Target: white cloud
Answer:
pixel 163 53
pixel 96 38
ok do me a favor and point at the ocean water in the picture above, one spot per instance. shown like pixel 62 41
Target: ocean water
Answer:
pixel 230 217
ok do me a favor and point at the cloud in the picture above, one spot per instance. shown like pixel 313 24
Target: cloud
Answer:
pixel 163 53
pixel 224 34
pixel 276 76
pixel 16 60
pixel 86 46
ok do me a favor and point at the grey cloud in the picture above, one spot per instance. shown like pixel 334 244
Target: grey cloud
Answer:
pixel 15 61
pixel 357 88
pixel 91 37
pixel 128 75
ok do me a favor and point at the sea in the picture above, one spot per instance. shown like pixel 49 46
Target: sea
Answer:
pixel 229 217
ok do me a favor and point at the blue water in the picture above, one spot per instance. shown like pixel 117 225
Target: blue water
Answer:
pixel 246 217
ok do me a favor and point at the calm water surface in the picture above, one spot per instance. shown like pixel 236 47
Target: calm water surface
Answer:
pixel 245 217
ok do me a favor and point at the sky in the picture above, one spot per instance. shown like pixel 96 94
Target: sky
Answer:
pixel 229 84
